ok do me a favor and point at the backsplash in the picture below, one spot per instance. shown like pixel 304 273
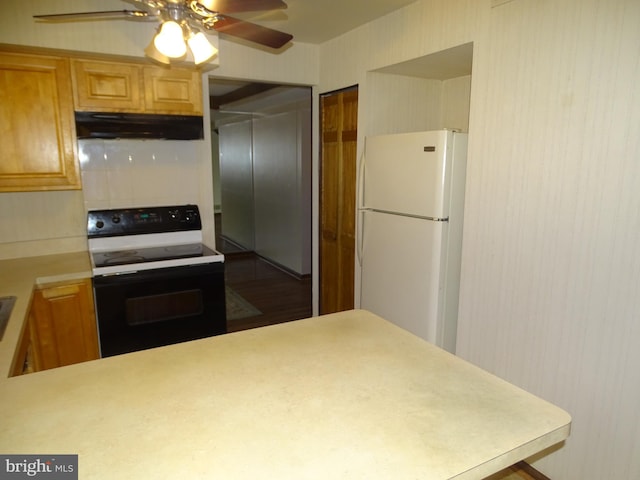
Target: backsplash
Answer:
pixel 138 173
pixel 115 174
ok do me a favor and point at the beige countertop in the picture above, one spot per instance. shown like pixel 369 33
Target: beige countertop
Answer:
pixel 343 396
pixel 19 276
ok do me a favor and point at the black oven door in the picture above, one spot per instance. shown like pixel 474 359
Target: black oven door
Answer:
pixel 151 308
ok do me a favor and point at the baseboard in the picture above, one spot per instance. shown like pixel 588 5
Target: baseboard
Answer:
pixel 282 268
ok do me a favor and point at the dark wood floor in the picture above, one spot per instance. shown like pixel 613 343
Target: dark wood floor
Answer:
pixel 280 297
pixel 519 471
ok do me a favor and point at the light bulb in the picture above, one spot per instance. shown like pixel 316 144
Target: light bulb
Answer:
pixel 201 48
pixel 170 41
pixel 152 52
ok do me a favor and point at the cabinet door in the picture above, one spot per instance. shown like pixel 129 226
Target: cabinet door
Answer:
pixel 63 325
pixel 172 91
pixel 36 124
pixel 107 86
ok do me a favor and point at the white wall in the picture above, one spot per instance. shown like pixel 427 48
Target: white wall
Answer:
pixel 456 97
pixel 266 179
pixel 551 262
pixel 402 103
pixel 236 181
pixel 39 223
pixel 551 265
pixel 283 188
pixel 215 171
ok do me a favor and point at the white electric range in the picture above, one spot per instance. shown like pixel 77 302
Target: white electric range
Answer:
pixel 155 282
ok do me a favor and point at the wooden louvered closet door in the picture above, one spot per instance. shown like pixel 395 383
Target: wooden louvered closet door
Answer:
pixel 339 111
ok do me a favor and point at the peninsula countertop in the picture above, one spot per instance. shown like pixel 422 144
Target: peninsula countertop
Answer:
pixel 341 396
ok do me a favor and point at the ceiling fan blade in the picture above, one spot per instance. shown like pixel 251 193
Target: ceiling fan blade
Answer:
pixel 238 6
pixel 105 15
pixel 251 31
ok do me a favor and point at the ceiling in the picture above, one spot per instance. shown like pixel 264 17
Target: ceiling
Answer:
pixel 309 21
pixel 316 21
pixel 312 21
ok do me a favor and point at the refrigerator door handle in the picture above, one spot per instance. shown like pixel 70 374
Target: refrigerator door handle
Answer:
pixel 360 233
pixel 360 179
pixel 410 215
pixel 359 209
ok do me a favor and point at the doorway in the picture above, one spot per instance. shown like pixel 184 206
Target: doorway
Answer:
pixel 261 145
pixel 338 158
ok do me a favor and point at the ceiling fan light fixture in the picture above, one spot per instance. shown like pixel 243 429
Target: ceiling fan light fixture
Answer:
pixel 152 52
pixel 170 40
pixel 181 22
pixel 201 48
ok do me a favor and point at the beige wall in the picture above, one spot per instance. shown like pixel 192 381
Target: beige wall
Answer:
pixel 551 265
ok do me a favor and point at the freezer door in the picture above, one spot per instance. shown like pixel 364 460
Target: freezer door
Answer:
pixel 408 173
pixel 401 276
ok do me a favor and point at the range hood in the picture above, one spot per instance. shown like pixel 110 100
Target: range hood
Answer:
pixel 138 125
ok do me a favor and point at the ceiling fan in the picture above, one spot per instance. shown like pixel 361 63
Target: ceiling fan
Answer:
pixel 184 21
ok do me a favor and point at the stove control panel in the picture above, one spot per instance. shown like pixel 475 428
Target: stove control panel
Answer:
pixel 136 221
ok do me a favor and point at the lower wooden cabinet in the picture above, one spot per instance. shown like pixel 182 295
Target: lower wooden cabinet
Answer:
pixel 62 326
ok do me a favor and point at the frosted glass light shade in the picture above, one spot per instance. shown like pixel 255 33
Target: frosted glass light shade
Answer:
pixel 201 48
pixel 170 41
pixel 152 52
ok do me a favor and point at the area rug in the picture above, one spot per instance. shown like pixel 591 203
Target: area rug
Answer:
pixel 238 307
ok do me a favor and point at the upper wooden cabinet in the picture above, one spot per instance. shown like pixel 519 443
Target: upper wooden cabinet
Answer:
pixel 108 86
pixel 172 90
pixel 39 91
pixel 37 126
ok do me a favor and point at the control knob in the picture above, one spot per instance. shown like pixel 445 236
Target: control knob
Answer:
pixel 191 216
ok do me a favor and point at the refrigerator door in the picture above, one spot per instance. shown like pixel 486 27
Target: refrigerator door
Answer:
pixel 401 271
pixel 408 173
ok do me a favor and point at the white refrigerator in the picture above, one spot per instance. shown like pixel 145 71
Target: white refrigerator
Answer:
pixel 410 213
